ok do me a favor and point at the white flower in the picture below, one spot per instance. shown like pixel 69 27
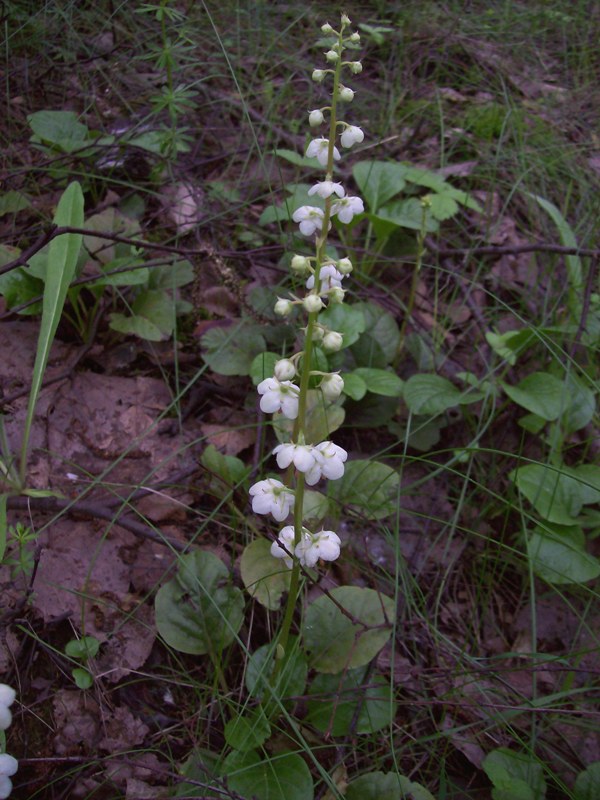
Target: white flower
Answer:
pixel 8 766
pixel 325 545
pixel 326 188
pixel 279 396
pixel 346 94
pixel 302 456
pixel 284 369
pixel 347 207
pixel 310 219
pixel 319 149
pixel 330 277
pixel 332 386
pixel 331 459
pixel 283 307
pixel 285 538
pixel 315 117
pixel 272 497
pixel 7 698
pixel 332 341
pixel 352 135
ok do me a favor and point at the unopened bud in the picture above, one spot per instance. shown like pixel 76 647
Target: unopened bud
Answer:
pixel 318 333
pixel 332 56
pixel 336 294
pixel 315 118
pixel 346 94
pixel 318 75
pixel 333 341
pixel 346 20
pixel 312 303
pixel 355 67
pixel 284 369
pixel 326 28
pixel 355 37
pixel 344 265
pixel 300 265
pixel 283 307
pixel 332 386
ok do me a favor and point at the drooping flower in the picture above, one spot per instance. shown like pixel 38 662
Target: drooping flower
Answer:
pixel 352 135
pixel 346 94
pixel 355 67
pixel 315 117
pixel 283 307
pixel 302 456
pixel 324 545
pixel 271 496
pixel 8 767
pixel 284 546
pixel 331 460
pixel 279 396
pixel 332 386
pixel 326 188
pixel 332 341
pixel 347 207
pixel 284 369
pixel 330 277
pixel 7 698
pixel 310 219
pixel 319 149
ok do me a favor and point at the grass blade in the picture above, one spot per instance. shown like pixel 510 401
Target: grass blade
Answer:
pixel 62 260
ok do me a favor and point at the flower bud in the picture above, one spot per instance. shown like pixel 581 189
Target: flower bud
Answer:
pixel 283 307
pixel 315 118
pixel 355 67
pixel 332 56
pixel 336 294
pixel 318 333
pixel 326 28
pixel 346 94
pixel 312 303
pixel 344 265
pixel 355 37
pixel 318 75
pixel 346 20
pixel 284 369
pixel 300 265
pixel 332 386
pixel 333 341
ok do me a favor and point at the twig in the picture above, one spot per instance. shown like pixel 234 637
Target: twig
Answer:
pixel 506 250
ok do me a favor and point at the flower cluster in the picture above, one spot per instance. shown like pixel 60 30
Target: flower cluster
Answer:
pixel 286 391
pixel 8 764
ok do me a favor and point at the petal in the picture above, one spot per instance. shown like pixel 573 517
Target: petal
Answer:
pixel 270 403
pixel 284 454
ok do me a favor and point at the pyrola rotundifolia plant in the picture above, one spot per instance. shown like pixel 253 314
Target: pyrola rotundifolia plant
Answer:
pixel 286 392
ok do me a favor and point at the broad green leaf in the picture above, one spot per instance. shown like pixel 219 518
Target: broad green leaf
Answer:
pixel 265 578
pixel 386 786
pixel 582 405
pixel 314 507
pixel 334 641
pixel 231 350
pixel 431 394
pixel 515 776
pixel 322 419
pixel 511 344
pixel 405 214
pixel 290 681
pixel 231 470
pixel 557 554
pixel 152 317
pixel 541 393
pixel 380 381
pixel 247 731
pixel 136 326
pixel 84 648
pixel 346 319
pixel 354 386
pixel 555 493
pixel 200 767
pixel 60 128
pixel 83 678
pixel 295 158
pixel 12 202
pixel 263 367
pixel 171 276
pixel 111 220
pixel 284 776
pixel 369 488
pixel 382 328
pixel 378 181
pixel 62 256
pixel 340 705
pixel 199 611
pixel 442 206
pixel 130 277
pixel 587 783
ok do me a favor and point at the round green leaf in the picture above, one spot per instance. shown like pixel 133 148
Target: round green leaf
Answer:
pixel 84 648
pixel 380 381
pixel 369 488
pixel 198 611
pixel 247 732
pixel 354 386
pixel 334 701
pixel 386 786
pixel 338 641
pixel 232 350
pixel 266 578
pixel 379 181
pixel 432 394
pixel 582 405
pixel 322 419
pixel 282 777
pixel 263 367
pixel 291 676
pixel 587 783
pixel 515 776
pixel 347 320
pixel 554 493
pixel 541 393
pixel 557 554
pixel 82 678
